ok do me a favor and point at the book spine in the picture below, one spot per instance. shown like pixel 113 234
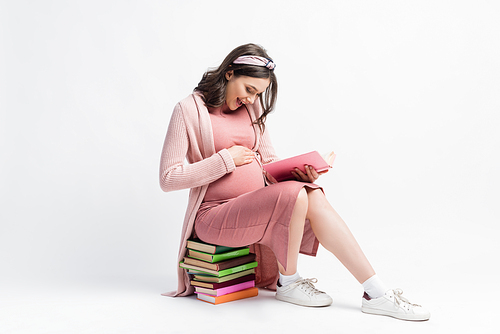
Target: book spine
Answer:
pixel 236 287
pixel 215 279
pixel 200 263
pixel 207 248
pixel 250 292
pixel 235 262
pixel 230 255
pixel 237 280
pixel 198 270
pixel 199 255
pixel 222 249
pixel 237 269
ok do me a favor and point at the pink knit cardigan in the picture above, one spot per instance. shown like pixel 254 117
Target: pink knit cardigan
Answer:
pixel 190 136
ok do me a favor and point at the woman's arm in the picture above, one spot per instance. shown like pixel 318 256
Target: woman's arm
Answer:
pixel 174 174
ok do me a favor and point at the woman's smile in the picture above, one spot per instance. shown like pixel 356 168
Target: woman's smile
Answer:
pixel 243 89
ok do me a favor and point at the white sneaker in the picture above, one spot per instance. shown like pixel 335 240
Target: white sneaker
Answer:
pixel 394 305
pixel 302 292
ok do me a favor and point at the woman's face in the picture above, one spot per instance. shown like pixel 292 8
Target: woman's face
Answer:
pixel 243 90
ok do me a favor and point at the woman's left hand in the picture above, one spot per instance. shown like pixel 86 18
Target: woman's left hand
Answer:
pixel 309 176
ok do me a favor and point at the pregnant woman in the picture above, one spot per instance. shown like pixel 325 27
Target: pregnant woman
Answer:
pixel 220 129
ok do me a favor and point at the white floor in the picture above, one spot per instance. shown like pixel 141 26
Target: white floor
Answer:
pixel 125 305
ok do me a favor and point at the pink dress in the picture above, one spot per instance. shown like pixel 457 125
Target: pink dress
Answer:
pixel 239 209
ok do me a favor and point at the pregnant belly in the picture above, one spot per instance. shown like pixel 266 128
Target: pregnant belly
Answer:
pixel 242 180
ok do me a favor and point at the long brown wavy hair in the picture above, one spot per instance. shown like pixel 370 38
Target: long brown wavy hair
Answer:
pixel 213 83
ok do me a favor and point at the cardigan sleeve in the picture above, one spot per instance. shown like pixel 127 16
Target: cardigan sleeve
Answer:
pixel 174 173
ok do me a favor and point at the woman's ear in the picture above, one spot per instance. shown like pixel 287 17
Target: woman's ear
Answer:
pixel 229 74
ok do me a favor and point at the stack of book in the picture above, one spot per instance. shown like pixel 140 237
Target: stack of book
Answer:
pixel 220 274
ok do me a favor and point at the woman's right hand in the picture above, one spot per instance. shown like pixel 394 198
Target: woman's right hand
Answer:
pixel 241 155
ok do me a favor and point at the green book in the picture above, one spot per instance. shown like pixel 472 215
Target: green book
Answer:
pixel 207 248
pixel 220 273
pixel 214 279
pixel 218 257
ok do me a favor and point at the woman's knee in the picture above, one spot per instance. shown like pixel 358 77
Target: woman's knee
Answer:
pixel 316 193
pixel 302 197
pixel 302 201
pixel 317 199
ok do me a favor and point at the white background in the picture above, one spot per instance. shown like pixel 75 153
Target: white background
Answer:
pixel 405 92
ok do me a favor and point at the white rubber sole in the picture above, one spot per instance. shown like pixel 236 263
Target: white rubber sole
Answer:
pixel 309 303
pixel 407 317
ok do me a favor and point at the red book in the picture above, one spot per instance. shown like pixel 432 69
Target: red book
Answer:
pixel 281 169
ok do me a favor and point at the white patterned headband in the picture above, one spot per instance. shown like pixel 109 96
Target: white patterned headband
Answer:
pixel 255 60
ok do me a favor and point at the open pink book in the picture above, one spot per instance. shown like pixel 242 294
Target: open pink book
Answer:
pixel 281 170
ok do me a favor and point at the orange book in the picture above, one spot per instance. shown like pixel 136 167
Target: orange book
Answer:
pixel 247 293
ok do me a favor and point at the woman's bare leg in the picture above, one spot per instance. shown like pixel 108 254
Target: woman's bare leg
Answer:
pixel 333 233
pixel 296 232
pixel 291 288
pixel 335 236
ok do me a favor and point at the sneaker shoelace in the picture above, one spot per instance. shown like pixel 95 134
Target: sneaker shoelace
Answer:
pixel 398 298
pixel 308 286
